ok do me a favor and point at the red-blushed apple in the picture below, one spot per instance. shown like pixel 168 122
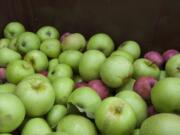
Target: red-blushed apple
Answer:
pixel 151 110
pixel 144 85
pixel 2 73
pixel 169 53
pixel 64 35
pixel 99 87
pixel 81 84
pixel 155 57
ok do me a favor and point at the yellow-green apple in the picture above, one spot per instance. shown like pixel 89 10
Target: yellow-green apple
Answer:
pixel 7 88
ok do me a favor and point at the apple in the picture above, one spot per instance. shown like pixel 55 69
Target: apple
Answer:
pixel 7 55
pixel 144 85
pixel 76 125
pixel 37 95
pixel 155 57
pixel 36 126
pixel 169 53
pixel 151 110
pixel 90 63
pixel 173 66
pixel 64 35
pixel 74 41
pixel 145 67
pixel 162 75
pixel 28 41
pixel 4 42
pixel 137 103
pixel 56 114
pixel 165 95
pixel 13 44
pixel 13 30
pixel 71 58
pixel 7 88
pixel 81 84
pixel 131 47
pixel 85 99
pixel 101 42
pixel 63 87
pixel 52 64
pixel 127 86
pixel 60 70
pixel 161 124
pixel 37 59
pixel 51 47
pixel 115 71
pixel 12 112
pixel 115 116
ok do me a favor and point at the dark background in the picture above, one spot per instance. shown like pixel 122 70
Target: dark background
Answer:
pixel 155 24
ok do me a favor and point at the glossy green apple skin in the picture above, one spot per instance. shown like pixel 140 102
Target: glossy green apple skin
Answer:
pixel 132 48
pixel 101 42
pixel 13 44
pixel 136 132
pixel 114 116
pixel 137 103
pixel 161 124
pixel 28 41
pixel 18 70
pixel 56 114
pixel 51 47
pixel 4 42
pixel 12 112
pixel 173 66
pixel 90 63
pixel 168 88
pixel 75 41
pixel 63 87
pixel 71 58
pixel 162 75
pixel 7 88
pixel 115 71
pixel 76 125
pixel 13 30
pixel 37 59
pixel 60 70
pixel 36 126
pixel 37 95
pixel 127 86
pixel 144 67
pixel 48 32
pixel 7 55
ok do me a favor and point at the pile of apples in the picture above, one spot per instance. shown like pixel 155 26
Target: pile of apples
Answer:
pixel 67 85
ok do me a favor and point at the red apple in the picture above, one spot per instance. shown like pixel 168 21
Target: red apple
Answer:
pixel 169 53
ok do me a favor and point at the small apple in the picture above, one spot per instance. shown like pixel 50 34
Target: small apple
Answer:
pixel 74 41
pixel 7 55
pixel 169 53
pixel 90 63
pixel 4 42
pixel 51 47
pixel 114 116
pixel 12 112
pixel 64 35
pixel 116 71
pixel 36 126
pixel 101 42
pixel 127 86
pixel 7 88
pixel 76 125
pixel 13 30
pixel 162 75
pixel 151 110
pixel 145 67
pixel 81 84
pixel 37 59
pixel 28 41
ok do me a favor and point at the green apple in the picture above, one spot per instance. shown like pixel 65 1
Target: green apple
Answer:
pixel 127 86
pixel 161 124
pixel 56 114
pixel 132 48
pixel 136 132
pixel 60 70
pixel 90 63
pixel 7 88
pixel 57 133
pixel 48 32
pixel 63 87
pixel 18 70
pixel 74 41
pixel 101 42
pixel 52 64
pixel 72 58
pixel 116 71
pixel 13 44
pixel 37 94
pixel 13 30
pixel 114 116
pixel 86 100
pixel 12 112
pixel 7 55
pixel 51 47
pixel 28 41
pixel 36 126
pixel 37 59
pixel 162 74
pixel 144 67
pixel 76 125
pixel 4 42
pixel 173 66
pixel 137 103
pixel 165 95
